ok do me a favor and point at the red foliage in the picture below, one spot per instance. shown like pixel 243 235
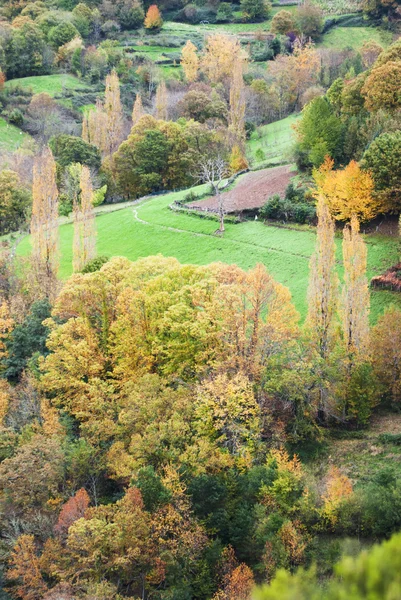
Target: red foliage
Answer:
pixel 390 280
pixel 72 510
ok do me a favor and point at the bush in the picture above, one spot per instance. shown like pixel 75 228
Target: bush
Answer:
pixel 390 438
pixel 293 207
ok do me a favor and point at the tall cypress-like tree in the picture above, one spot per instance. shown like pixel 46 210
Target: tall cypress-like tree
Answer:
pixel 44 222
pixel 114 113
pixel 137 111
pixel 237 104
pixel 323 284
pixel 84 248
pixel 161 101
pixel 355 299
pixel 94 127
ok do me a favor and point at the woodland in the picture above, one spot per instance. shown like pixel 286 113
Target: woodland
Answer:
pixel 200 309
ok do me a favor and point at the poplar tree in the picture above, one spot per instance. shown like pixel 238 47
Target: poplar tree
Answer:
pixel 237 104
pixel 161 101
pixel 137 111
pixel 84 248
pixel 44 222
pixel 323 284
pixel 94 127
pixel 355 298
pixel 114 113
pixel 190 61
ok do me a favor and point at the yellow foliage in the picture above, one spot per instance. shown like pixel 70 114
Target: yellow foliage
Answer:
pixel 190 61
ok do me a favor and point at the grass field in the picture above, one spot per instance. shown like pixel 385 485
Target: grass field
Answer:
pixel 52 84
pixel 274 140
pixel 10 136
pixel 344 37
pixel 285 252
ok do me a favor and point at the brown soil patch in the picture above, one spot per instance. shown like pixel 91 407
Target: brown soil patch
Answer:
pixel 252 190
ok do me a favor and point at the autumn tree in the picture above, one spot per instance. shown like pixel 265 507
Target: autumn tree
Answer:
pixel 114 113
pixel 283 23
pixel 190 61
pixel 84 245
pixel 381 89
pixel 214 171
pixel 237 105
pixel 44 222
pixel 25 569
pixel 153 19
pixel 323 283
pixel 137 111
pixel 347 191
pixel 94 127
pixel 220 55
pixel 370 51
pixel 71 511
pixel 161 101
pixel 338 489
pixel 6 326
pixel 237 161
pixel 355 300
pixel 386 355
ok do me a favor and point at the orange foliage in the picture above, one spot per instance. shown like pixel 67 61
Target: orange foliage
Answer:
pixel 71 511
pixel 338 488
pixel 153 19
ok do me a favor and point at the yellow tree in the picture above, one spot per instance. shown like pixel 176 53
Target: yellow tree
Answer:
pixel 323 284
pixel 220 55
pixel 237 105
pixel 84 248
pixel 347 191
pixel 355 301
pixel 94 127
pixel 161 101
pixel 44 222
pixel 6 326
pixel 190 61
pixel 137 111
pixel 114 113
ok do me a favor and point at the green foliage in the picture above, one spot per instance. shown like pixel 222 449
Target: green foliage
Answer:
pixel 62 33
pixel 27 339
pixel 95 264
pixel 255 10
pixel 383 160
pixel 68 149
pixel 26 54
pixel 15 200
pixel 320 132
pixel 154 493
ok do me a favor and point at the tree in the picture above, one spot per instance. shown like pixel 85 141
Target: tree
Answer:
pixel 255 10
pixel 94 127
pixel 26 53
pixel 137 111
pixel 309 19
pixel 6 327
pixel 355 300
pixel 153 19
pixel 237 161
pixel 214 171
pixel 71 511
pixel 190 61
pixel 370 51
pixel 237 106
pixel 161 101
pixel 383 161
pixel 348 191
pixel 84 248
pixel 283 23
pixel 15 201
pixel 220 55
pixel 25 569
pixel 319 132
pixel 386 355
pixel 69 149
pixel 62 34
pixel 114 113
pixel 27 338
pixel 44 222
pixel 323 284
pixel 381 88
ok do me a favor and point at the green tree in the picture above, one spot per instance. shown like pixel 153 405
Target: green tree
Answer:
pixel 383 160
pixel 283 22
pixel 27 339
pixel 15 200
pixel 255 10
pixel 68 149
pixel 320 132
pixel 26 54
pixel 63 33
pixel 309 19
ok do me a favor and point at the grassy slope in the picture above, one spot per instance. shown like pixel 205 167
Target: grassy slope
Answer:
pixel 52 84
pixel 10 136
pixel 344 37
pixel 285 252
pixel 275 140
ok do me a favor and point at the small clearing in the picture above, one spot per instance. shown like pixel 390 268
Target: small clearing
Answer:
pixel 253 189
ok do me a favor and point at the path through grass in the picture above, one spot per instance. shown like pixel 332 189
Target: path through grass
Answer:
pixel 285 252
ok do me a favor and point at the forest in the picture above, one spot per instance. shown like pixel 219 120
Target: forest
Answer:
pixel 200 309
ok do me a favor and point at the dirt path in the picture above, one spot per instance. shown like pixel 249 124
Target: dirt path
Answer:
pixel 253 189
